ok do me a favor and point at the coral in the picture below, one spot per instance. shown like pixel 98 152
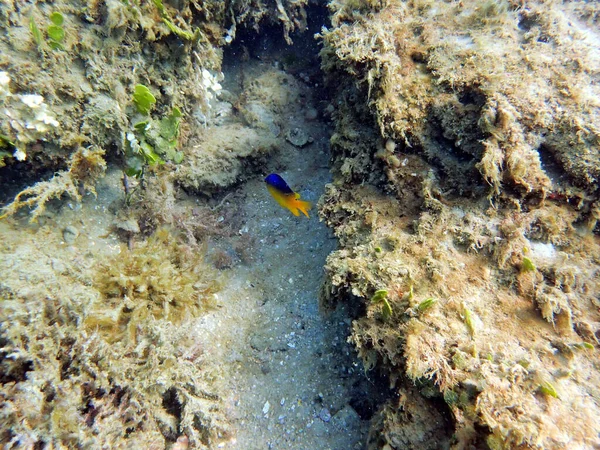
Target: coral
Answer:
pixel 221 155
pixel 459 114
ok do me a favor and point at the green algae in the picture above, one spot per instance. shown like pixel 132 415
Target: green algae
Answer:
pixel 426 304
pixel 143 99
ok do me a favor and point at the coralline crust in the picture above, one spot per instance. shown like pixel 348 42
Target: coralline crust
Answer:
pixel 465 171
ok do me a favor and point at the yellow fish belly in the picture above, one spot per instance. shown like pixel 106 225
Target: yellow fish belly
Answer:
pixel 290 201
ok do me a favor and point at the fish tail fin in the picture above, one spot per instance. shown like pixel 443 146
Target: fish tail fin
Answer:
pixel 304 207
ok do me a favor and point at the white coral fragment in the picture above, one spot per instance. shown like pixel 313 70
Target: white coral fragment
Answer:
pixel 20 155
pixel 34 101
pixel 4 81
pixel 29 116
pixel 210 82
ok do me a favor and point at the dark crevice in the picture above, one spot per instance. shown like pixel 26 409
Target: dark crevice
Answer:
pixel 171 404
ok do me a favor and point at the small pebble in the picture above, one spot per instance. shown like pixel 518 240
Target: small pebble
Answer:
pixel 70 233
pixel 311 114
pixel 324 415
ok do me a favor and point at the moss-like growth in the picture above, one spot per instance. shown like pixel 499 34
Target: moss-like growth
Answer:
pixel 185 35
pixel 158 280
pixel 451 398
pixel 548 388
pixel 426 304
pixel 87 165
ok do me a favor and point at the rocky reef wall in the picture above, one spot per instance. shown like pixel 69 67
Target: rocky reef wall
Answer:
pixel 465 159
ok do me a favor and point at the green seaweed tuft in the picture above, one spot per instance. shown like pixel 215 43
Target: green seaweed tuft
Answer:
pixel 57 18
pixel 379 295
pixel 56 33
pixel 426 304
pixel 469 320
pixel 143 99
pixel 36 33
pixel 386 309
pixel 185 35
pixel 411 293
pixel 582 346
pixel 548 388
pixel 153 142
pixel 527 265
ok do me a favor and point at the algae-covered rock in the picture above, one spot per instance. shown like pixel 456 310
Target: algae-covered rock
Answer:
pixel 90 353
pixel 470 86
pixel 465 170
pixel 221 154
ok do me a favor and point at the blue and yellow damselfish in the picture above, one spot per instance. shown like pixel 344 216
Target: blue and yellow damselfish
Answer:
pixel 283 195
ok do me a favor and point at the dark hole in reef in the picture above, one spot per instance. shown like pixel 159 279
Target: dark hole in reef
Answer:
pixel 366 405
pixel 447 416
pixel 527 21
pixel 551 165
pixel 173 406
pixel 419 57
pixel 15 177
pixel 13 370
pixel 482 432
pixel 39 445
pixel 472 97
pixel 90 414
pixel 118 393
pixel 544 38
pixel 67 369
pixel 418 30
pixel 300 59
pixel 49 392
